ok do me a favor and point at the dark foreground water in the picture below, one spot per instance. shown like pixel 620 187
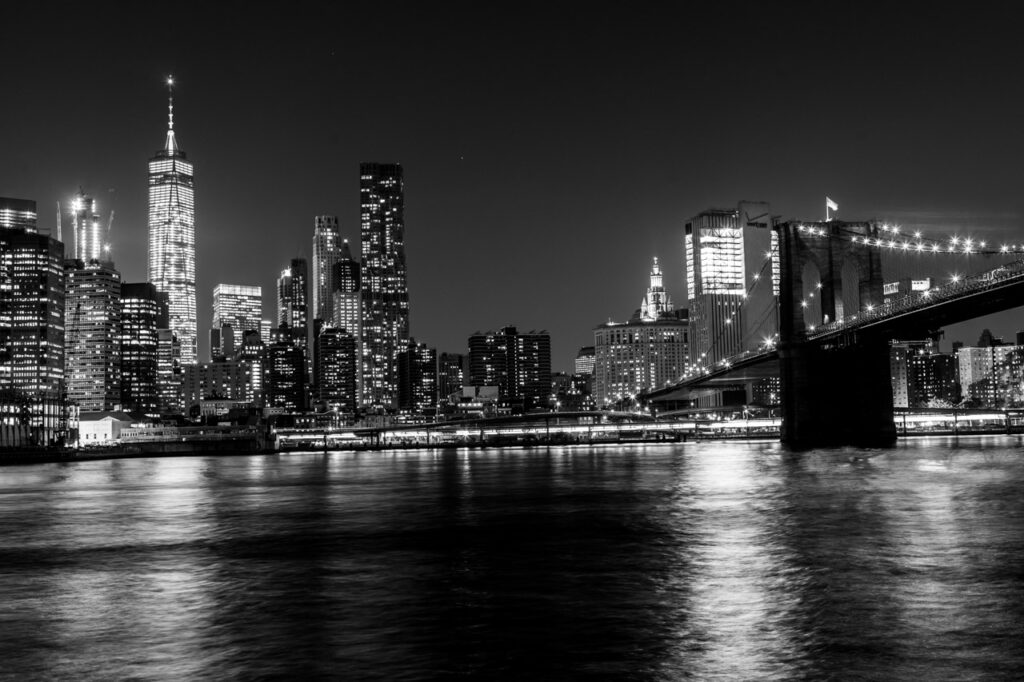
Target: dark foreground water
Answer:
pixel 728 561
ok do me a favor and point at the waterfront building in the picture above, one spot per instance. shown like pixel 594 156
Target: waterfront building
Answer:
pixel 239 307
pixel 293 301
pixel 172 237
pixel 571 392
pixel 286 372
pixel 991 376
pixel 347 302
pixel 250 348
pixel 646 352
pixel 230 380
pixel 337 366
pixel 326 250
pixel 724 250
pixel 417 380
pixel 584 363
pixel 34 419
pixel 452 375
pixel 32 303
pixel 143 314
pixel 518 364
pixel 169 372
pixel 92 366
pixel 922 376
pixel 85 223
pixel 385 293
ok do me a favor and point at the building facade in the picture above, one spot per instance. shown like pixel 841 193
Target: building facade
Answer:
pixel 337 368
pixel 584 363
pixel 286 374
pixel 169 376
pixel 326 251
pixel 646 352
pixel 92 356
pixel 172 238
pixel 452 375
pixel 518 364
pixel 231 380
pixel 143 314
pixel 385 292
pixel 727 253
pixel 85 221
pixel 293 301
pixel 32 303
pixel 417 380
pixel 238 307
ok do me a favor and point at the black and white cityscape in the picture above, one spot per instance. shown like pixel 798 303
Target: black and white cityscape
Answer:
pixel 416 343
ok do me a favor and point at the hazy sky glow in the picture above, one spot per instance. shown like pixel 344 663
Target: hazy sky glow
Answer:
pixel 548 154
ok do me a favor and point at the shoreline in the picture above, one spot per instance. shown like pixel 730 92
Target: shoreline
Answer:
pixel 98 454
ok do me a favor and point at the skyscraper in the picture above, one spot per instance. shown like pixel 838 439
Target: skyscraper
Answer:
pixel 326 243
pixel 93 319
pixel 643 353
pixel 337 367
pixel 169 375
pixel 237 306
pixel 726 251
pixel 32 302
pixel 286 373
pixel 385 292
pixel 89 243
pixel 172 237
pixel 293 301
pixel 142 316
pixel 518 364
pixel 452 374
pixel 417 380
pixel 18 214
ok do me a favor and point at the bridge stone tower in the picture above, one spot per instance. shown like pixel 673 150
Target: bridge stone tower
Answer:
pixel 835 392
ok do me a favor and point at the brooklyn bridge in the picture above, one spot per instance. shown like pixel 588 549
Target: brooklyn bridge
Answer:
pixel 833 322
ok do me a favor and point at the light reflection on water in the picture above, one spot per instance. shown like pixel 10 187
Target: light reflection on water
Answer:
pixel 730 561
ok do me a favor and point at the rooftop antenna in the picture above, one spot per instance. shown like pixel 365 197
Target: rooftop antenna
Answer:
pixel 170 102
pixel 60 224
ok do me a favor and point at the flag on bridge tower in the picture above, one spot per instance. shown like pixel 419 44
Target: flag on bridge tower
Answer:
pixel 830 205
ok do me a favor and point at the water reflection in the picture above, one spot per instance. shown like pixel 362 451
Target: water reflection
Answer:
pixel 733 561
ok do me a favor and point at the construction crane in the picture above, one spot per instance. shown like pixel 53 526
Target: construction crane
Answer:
pixel 110 224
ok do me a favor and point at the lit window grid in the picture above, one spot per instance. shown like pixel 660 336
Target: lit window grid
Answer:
pixel 172 246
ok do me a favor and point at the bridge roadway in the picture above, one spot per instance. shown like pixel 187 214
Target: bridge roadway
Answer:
pixel 911 316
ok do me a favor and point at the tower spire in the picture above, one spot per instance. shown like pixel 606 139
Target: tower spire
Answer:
pixel 171 146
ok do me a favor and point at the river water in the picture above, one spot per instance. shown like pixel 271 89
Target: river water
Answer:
pixel 648 562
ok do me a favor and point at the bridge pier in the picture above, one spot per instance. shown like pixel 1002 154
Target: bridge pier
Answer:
pixel 837 395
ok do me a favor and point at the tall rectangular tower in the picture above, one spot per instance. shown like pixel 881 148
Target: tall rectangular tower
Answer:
pixel 385 292
pixel 139 341
pixel 32 301
pixel 238 306
pixel 172 238
pixel 732 280
pixel 93 317
pixel 326 244
pixel 293 301
pixel 88 232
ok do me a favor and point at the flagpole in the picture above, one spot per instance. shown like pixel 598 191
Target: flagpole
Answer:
pixel 826 210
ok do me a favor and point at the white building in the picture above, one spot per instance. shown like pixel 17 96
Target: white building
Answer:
pixel 647 352
pixel 172 238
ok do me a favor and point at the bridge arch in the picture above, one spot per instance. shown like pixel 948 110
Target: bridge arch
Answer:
pixel 813 254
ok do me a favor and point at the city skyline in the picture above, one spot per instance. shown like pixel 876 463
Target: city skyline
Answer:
pixel 545 155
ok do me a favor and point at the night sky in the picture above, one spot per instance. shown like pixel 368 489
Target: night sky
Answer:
pixel 548 153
